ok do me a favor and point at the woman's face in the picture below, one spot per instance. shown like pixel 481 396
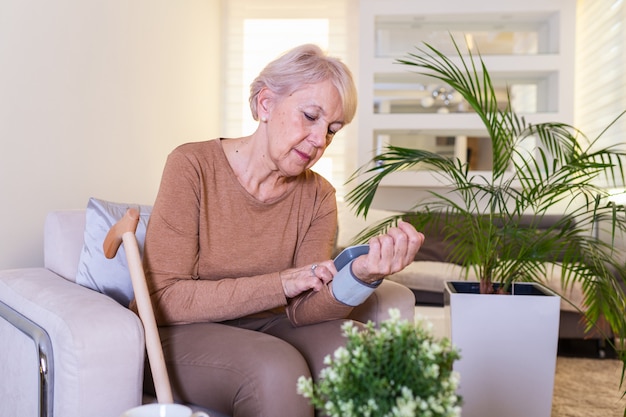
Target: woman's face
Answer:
pixel 300 126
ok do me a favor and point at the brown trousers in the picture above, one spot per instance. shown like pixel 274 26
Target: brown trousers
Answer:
pixel 250 367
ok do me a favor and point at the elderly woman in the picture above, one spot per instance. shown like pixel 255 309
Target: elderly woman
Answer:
pixel 237 251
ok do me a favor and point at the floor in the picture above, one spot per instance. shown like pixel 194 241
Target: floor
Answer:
pixel 434 315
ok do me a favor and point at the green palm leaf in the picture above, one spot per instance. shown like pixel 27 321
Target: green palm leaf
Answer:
pixel 537 169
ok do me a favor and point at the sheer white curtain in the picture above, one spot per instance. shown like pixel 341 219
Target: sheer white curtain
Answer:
pixel 256 32
pixel 601 68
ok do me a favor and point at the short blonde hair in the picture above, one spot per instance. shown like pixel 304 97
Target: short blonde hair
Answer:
pixel 305 64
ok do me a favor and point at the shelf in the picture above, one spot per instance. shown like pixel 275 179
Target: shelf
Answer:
pixel 525 45
pixel 509 65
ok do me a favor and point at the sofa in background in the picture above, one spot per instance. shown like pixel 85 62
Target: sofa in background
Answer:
pixel 433 266
pixel 70 351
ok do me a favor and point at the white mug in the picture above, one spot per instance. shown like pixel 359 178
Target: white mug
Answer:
pixel 163 410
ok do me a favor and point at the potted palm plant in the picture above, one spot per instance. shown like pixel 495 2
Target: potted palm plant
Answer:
pixel 538 169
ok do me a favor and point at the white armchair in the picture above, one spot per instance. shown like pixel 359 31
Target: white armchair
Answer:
pixel 69 351
pixel 66 350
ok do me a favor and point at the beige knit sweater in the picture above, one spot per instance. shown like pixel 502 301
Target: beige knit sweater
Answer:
pixel 213 252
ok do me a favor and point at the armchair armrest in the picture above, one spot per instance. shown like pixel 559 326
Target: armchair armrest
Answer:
pixel 388 295
pixel 97 345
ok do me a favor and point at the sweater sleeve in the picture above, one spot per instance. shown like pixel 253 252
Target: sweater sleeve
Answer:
pixel 314 307
pixel 171 258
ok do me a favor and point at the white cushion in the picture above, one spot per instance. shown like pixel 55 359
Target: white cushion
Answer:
pixel 430 275
pixel 350 226
pixel 572 292
pixel 63 241
pixel 95 271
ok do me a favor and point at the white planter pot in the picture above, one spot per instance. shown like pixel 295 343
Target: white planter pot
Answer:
pixel 508 347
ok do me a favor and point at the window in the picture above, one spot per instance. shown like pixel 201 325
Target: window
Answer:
pixel 264 39
pixel 257 32
pixel 600 64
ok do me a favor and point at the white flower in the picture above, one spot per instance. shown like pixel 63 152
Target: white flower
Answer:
pixel 357 352
pixel 424 322
pixel 305 386
pixel 342 354
pixel 372 375
pixel 394 314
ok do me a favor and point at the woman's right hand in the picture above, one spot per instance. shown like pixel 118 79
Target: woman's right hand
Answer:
pixel 312 277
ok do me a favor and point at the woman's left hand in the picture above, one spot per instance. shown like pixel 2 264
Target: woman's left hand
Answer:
pixel 388 253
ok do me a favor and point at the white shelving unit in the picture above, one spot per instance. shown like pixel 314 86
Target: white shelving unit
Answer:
pixel 527 46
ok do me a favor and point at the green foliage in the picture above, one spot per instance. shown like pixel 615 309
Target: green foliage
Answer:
pixel 398 370
pixel 538 169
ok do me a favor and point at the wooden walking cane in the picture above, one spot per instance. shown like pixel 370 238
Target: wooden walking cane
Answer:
pixel 124 232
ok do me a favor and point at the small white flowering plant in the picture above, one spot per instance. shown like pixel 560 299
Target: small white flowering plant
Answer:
pixel 396 370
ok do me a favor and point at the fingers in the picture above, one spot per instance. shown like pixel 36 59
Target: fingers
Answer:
pixel 312 277
pixel 399 245
pixel 407 239
pixel 389 253
pixel 324 271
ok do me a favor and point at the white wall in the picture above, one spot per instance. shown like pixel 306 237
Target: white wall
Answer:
pixel 93 96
